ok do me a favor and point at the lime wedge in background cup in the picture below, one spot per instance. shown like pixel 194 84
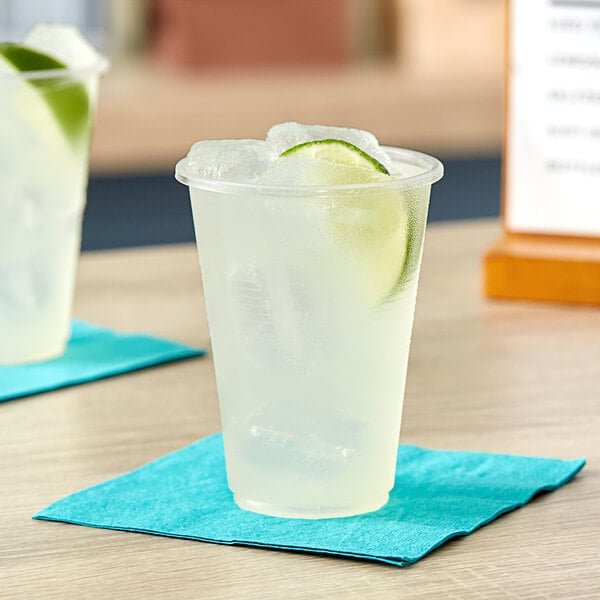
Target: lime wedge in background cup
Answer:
pixel 47 106
pixel 310 272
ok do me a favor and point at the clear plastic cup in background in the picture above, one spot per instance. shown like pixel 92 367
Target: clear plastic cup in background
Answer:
pixel 46 120
pixel 310 294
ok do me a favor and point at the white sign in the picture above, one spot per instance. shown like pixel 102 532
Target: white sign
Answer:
pixel 552 175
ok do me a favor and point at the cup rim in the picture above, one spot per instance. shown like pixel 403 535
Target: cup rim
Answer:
pixel 433 170
pixel 98 66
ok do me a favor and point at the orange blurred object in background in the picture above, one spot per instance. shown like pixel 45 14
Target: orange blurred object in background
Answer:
pixel 238 33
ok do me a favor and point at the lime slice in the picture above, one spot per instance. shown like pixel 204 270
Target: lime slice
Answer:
pixel 67 100
pixel 374 226
pixel 337 151
pixel 372 223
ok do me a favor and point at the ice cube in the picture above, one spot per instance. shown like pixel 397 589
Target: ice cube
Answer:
pixel 18 288
pixel 233 160
pixel 286 314
pixel 293 170
pixel 306 437
pixel 287 135
pixel 64 43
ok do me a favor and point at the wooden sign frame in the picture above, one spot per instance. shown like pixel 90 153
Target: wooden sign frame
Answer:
pixel 537 266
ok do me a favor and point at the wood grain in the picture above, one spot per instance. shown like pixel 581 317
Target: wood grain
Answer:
pixel 549 268
pixel 495 376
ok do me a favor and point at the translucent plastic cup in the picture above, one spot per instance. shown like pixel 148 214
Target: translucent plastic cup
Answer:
pixel 310 295
pixel 45 129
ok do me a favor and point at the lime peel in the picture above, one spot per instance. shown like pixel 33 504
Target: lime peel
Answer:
pixel 337 151
pixel 68 101
pixel 374 225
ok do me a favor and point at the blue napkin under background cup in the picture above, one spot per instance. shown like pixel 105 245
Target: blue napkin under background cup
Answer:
pixel 92 353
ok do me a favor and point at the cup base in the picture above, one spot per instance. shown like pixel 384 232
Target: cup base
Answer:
pixel 11 359
pixel 313 512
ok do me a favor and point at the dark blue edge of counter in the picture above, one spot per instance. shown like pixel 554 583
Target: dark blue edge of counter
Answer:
pixel 149 209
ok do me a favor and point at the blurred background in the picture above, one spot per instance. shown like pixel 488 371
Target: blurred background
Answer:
pixel 424 74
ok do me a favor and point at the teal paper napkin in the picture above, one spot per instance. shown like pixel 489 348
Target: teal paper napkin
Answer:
pixel 438 495
pixel 92 353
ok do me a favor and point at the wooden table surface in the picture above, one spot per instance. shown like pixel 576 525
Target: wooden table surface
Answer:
pixel 501 377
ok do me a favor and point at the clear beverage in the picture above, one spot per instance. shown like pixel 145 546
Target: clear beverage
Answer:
pixel 43 180
pixel 310 347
